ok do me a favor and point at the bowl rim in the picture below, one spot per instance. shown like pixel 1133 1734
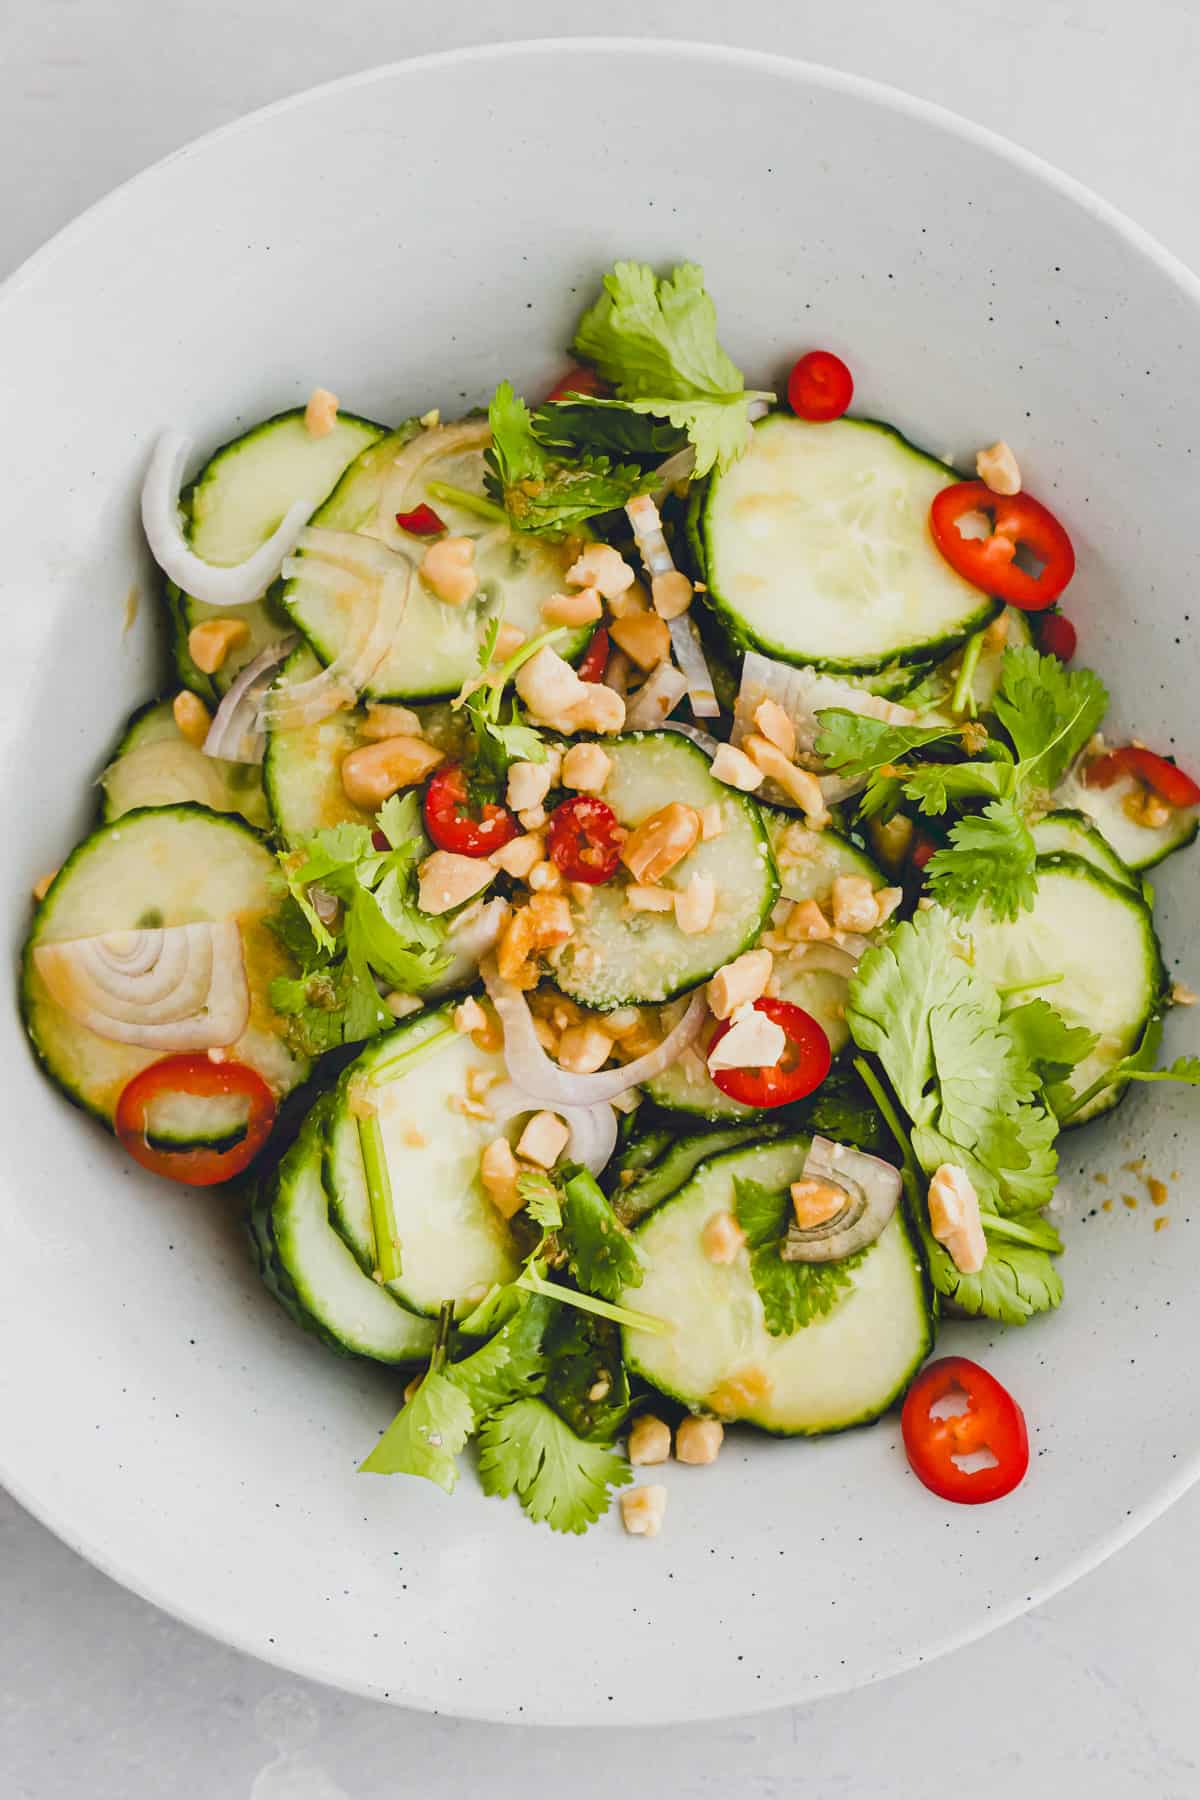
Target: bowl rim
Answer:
pixel 44 1507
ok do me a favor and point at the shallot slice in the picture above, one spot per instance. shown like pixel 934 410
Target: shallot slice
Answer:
pixel 237 584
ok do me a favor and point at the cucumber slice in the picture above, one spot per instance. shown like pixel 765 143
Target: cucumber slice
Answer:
pixel 453 1243
pixel 1073 834
pixel 676 1165
pixel 436 648
pixel 844 1369
pixel 234 505
pixel 302 766
pixel 808 862
pixel 617 957
pixel 817 548
pixel 311 1272
pixel 1100 938
pixel 986 679
pixel 1139 846
pixel 167 865
pixel 155 765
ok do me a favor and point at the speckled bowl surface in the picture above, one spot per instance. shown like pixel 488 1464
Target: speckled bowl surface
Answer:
pixel 407 237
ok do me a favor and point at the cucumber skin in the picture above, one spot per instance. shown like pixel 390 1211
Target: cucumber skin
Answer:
pixel 264 1252
pixel 742 639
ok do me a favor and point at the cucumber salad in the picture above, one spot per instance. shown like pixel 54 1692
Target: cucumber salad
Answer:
pixel 629 890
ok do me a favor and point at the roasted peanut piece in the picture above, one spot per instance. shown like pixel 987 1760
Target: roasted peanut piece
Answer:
pixel 695 905
pixel 722 1238
pixel 498 1172
pixel 543 1140
pixel 649 1441
pixel 661 841
pixel 508 641
pixel 191 716
pixel 643 1510
pixel 602 567
pixel 886 901
pixel 43 884
pixel 447 880
pixel 320 415
pixel 807 924
pixel 586 768
pixel 448 570
pixel 855 907
pixel 469 1017
pixel 545 877
pixel 998 470
pixel 802 788
pixel 740 982
pixel 384 720
pixel 643 637
pixel 520 856
pixel 402 1006
pixel 528 785
pixel 374 772
pixel 210 642
pixel 816 1202
pixel 698 1441
pixel 736 770
pixel 551 915
pixel 776 727
pixel 584 1049
pixel 712 824
pixel 753 1041
pixel 671 593
pixel 583 608
pixel 649 899
pixel 954 1217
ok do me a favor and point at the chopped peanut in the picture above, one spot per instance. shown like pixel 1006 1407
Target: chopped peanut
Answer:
pixel 659 842
pixel 373 772
pixel 954 1217
pixel 1181 993
pixel 798 784
pixel 191 716
pixel 736 770
pixel 649 1440
pixel 806 923
pixel 753 1042
pixel 739 982
pixel 508 641
pixel 776 727
pixel 469 1017
pixel 320 415
pixel 598 709
pixel 520 856
pixel 586 768
pixel 893 840
pixel 744 1389
pixel 712 822
pixel 649 899
pixel 498 1172
pixel 543 1140
pixel 698 1441
pixel 556 696
pixel 644 1037
pixel 583 608
pixel 722 1238
pixel 546 1036
pixel 447 880
pixel 402 1006
pixel 515 948
pixel 672 594
pixel 886 902
pixel 448 570
pixel 584 1049
pixel 387 721
pixel 855 907
pixel 602 567
pixel 996 635
pixel 551 920
pixel 209 643
pixel 695 905
pixel 643 1509
pixel 533 818
pixel 997 469
pixel 528 785
pixel 545 877
pixel 1144 807
pixel 643 637
pixel 633 600
pixel 816 1202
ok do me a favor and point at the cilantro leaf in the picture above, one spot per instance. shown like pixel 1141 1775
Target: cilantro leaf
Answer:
pixel 510 1366
pixel 541 1199
pixel 892 993
pixel 426 1435
pixel 559 1478
pixel 1015 1282
pixel 1048 711
pixel 793 1294
pixel 540 491
pixel 852 745
pixel 586 1381
pixel 937 786
pixel 1049 1045
pixel 991 856
pixel 600 1252
pixel 578 427
pixel 656 342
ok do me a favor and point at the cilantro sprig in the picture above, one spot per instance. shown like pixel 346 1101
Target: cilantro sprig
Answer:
pixel 793 1294
pixel 544 488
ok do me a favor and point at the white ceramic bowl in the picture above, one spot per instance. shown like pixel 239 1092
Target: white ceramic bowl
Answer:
pixel 406 237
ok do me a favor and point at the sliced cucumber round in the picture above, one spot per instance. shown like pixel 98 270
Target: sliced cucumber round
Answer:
pixel 1073 834
pixel 1139 846
pixel 436 647
pixel 310 1271
pixel 155 765
pixel 1098 939
pixel 988 670
pixel 234 505
pixel 817 549
pixel 617 957
pixel 808 863
pixel 302 765
pixel 843 1369
pixel 171 865
pixel 453 1243
pixel 678 1161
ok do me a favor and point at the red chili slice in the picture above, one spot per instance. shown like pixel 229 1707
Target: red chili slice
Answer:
pixel 422 521
pixel 194 1074
pixel 803 1067
pixel 820 387
pixel 988 562
pixel 992 1421
pixel 595 658
pixel 1057 636
pixel 451 823
pixel 577 381
pixel 585 839
pixel 1168 781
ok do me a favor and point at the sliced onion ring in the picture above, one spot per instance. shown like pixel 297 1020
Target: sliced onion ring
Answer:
pixel 534 1072
pixel 593 1128
pixel 872 1189
pixel 234 585
pixel 657 697
pixel 176 987
pixel 236 733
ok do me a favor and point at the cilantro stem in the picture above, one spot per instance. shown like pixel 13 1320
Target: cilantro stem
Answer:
pixel 467 502
pixel 963 698
pixel 519 658
pixel 441 1340
pixel 403 1060
pixel 1039 1236
pixel 620 1315
pixel 911 1173
pixel 1089 1093
pixel 1022 987
pixel 379 1194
